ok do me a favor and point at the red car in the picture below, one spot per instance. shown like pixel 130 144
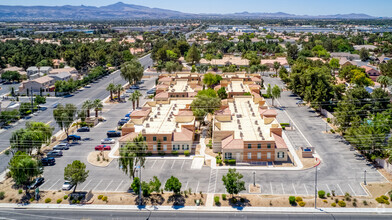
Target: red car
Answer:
pixel 103 147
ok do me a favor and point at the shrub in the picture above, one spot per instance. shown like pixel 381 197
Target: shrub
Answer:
pixel 285 124
pixel 333 192
pixel 325 201
pixel 65 197
pixel 100 197
pixel 48 200
pixel 2 195
pixel 149 153
pixel 328 194
pixel 298 199
pixel 292 200
pixel 59 201
pixel 20 191
pixel 161 153
pixel 105 199
pixel 384 197
pixel 242 200
pixel 333 204
pixel 365 202
pixel 224 196
pixel 354 204
pixel 186 153
pixel 332 131
pixel 321 193
pixel 31 199
pixel 175 153
pixel 232 161
pixel 328 120
pixel 216 200
pixel 347 196
pixel 284 127
pixel 380 200
pixel 342 204
pixel 336 200
pixel 234 200
pixel 302 203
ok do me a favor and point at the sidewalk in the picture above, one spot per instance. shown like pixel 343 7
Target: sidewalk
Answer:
pixel 198 208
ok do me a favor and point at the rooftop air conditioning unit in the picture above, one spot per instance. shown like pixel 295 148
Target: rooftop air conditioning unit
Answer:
pixel 147 125
pixel 151 119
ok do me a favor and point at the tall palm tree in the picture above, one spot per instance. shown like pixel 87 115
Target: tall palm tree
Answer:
pixel 276 67
pixel 138 95
pixel 118 89
pixel 384 81
pixel 111 88
pixel 133 99
pixel 87 105
pixel 97 106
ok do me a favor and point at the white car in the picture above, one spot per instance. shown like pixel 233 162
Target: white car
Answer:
pixel 108 141
pixel 67 186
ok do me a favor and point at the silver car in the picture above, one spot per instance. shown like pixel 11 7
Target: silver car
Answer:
pixel 61 147
pixel 108 141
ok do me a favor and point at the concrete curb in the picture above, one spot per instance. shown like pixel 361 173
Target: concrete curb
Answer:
pixel 197 208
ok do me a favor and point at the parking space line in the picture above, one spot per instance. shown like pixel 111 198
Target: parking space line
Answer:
pixel 186 186
pixel 153 164
pixel 45 182
pixel 197 187
pixel 97 185
pixel 282 188
pixel 307 193
pixel 351 189
pixel 272 192
pixel 295 191
pixel 340 188
pixel 182 164
pixel 54 184
pixel 108 185
pixel 163 164
pixel 328 188
pixel 119 185
pixel 174 161
pixel 87 184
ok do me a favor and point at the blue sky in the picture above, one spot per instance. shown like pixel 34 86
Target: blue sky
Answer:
pixel 310 7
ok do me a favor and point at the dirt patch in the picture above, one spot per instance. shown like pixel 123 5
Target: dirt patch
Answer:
pixel 99 158
pixel 254 188
pixel 386 174
pixel 379 189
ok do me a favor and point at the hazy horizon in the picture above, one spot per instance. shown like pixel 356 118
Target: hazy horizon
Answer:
pixel 377 8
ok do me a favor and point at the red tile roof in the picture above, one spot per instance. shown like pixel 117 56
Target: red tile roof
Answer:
pixel 231 143
pixel 184 135
pixel 279 142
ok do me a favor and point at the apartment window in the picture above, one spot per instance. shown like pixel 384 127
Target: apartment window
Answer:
pixel 165 147
pixel 259 146
pixel 268 145
pixel 228 155
pixel 176 147
pixel 259 155
pixel 164 138
pixel 144 138
pixel 280 154
pixel 154 138
pixel 249 146
pixel 249 156
pixel 269 155
pixel 154 147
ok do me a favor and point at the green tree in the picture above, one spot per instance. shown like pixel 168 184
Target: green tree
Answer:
pixel 132 71
pixel 173 184
pixel 40 99
pixel 11 76
pixel 133 154
pixel 76 173
pixel 222 93
pixel 133 99
pixel 203 104
pixel 269 91
pixel 87 105
pixel 111 88
pixel 137 95
pixel 233 183
pixel 23 168
pixel 193 55
pixel 361 79
pixel 386 68
pixel 384 81
pixel 136 185
pixel 276 67
pixel 334 64
pixel 364 54
pixel 65 116
pixel 119 88
pixel 97 105
pixel 275 94
pixel 263 68
pixel 210 79
pixel 32 137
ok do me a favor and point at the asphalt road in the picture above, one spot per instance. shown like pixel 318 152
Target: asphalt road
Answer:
pixel 32 214
pixel 97 91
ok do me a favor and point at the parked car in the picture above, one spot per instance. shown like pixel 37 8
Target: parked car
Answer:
pixel 130 91
pixel 83 129
pixel 123 121
pixel 108 141
pixel 67 186
pixel 151 91
pixel 55 153
pixel 140 82
pixel 134 87
pixel 37 182
pixel 113 134
pixel 87 86
pixel 61 147
pixel 48 161
pixel 74 138
pixel 103 147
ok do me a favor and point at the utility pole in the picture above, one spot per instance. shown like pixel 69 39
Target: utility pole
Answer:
pixel 364 180
pixel 254 178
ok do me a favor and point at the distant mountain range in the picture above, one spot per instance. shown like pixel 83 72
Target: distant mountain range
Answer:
pixel 129 11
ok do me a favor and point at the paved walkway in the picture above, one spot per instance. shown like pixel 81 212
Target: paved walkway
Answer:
pixel 199 208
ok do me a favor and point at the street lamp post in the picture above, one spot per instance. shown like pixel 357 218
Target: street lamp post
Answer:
pixel 315 189
pixel 254 178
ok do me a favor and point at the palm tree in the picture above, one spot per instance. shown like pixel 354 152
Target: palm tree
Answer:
pixel 97 106
pixel 263 68
pixel 87 105
pixel 137 94
pixel 276 67
pixel 111 88
pixel 118 89
pixel 384 81
pixel 133 99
